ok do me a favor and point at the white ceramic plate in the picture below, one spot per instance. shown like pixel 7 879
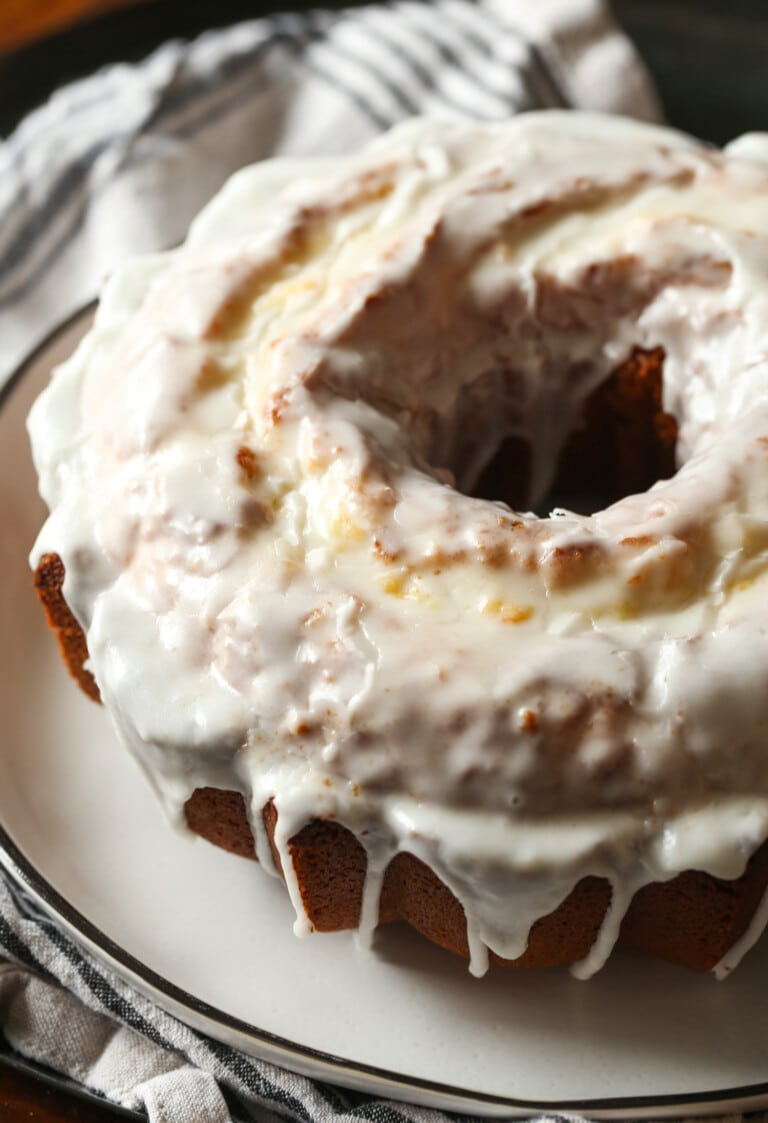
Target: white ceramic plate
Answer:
pixel 209 935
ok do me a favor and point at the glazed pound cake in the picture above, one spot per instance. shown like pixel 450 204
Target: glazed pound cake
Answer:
pixel 292 474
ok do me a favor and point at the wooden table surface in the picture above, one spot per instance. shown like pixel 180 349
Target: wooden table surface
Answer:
pixel 34 1100
pixel 21 21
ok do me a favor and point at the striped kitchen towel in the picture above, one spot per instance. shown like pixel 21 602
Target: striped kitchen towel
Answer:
pixel 119 163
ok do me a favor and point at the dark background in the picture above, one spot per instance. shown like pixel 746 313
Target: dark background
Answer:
pixel 709 57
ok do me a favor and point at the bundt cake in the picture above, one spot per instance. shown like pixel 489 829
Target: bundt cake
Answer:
pixel 298 476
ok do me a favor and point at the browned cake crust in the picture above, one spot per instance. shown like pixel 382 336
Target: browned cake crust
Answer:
pixel 626 438
pixel 692 920
pixel 49 583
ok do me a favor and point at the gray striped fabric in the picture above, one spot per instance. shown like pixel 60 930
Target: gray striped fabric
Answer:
pixel 119 163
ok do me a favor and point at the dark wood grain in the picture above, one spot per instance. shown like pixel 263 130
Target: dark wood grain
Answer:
pixel 23 1097
pixel 24 20
pixel 36 1098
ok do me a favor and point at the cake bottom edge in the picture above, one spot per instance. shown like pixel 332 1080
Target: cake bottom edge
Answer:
pixel 692 920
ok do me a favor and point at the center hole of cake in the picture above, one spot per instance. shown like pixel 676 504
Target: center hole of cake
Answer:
pixel 624 443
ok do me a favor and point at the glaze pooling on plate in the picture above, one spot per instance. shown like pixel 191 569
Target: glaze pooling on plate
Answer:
pixel 249 466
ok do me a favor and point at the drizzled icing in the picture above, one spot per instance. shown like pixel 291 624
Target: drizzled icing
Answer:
pixel 248 465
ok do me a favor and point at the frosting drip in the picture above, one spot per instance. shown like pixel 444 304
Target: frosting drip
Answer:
pixel 249 464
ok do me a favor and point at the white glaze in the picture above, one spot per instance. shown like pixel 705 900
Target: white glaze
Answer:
pixel 350 637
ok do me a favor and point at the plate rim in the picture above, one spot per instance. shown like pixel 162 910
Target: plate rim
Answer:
pixel 24 872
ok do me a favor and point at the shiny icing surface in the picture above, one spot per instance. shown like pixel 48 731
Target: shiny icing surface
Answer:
pixel 250 466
